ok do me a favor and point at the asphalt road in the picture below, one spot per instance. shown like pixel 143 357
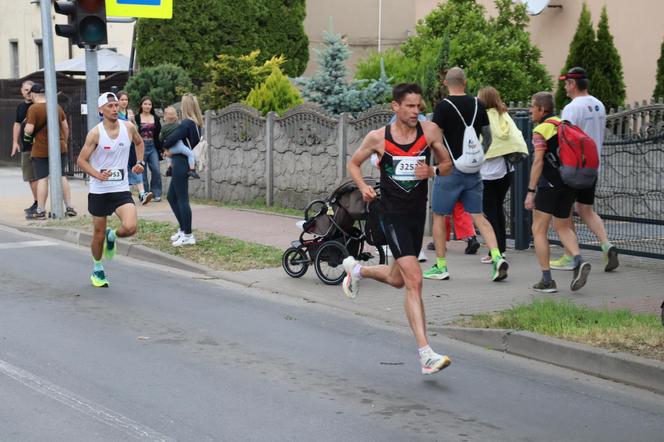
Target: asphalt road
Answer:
pixel 162 355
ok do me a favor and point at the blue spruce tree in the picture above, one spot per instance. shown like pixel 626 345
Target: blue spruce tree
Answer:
pixel 329 88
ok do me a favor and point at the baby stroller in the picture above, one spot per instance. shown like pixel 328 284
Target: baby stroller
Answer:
pixel 332 229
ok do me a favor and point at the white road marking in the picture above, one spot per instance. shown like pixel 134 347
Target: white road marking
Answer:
pixel 96 411
pixel 26 244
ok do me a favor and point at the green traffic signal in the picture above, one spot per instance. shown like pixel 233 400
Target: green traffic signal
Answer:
pixel 92 30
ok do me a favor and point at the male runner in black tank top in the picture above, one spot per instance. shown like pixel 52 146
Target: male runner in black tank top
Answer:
pixel 404 149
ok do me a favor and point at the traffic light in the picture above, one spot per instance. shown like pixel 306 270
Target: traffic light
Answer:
pixel 86 21
pixel 67 8
pixel 91 22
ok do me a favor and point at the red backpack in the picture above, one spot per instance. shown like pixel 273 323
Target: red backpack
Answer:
pixel 577 153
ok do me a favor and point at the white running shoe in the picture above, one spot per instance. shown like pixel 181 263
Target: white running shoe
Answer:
pixel 185 240
pixel 177 235
pixel 387 251
pixel 350 284
pixel 432 362
pixel 422 257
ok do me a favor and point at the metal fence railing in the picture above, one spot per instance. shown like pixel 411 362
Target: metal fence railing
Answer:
pixel 629 196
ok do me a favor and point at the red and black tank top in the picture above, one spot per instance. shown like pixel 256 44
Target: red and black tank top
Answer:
pixel 400 191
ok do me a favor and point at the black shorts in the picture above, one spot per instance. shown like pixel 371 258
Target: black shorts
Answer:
pixel 556 201
pixel 40 167
pixel 404 233
pixel 105 204
pixel 586 196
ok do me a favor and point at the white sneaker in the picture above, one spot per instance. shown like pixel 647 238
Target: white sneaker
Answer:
pixel 432 362
pixel 422 257
pixel 177 235
pixel 350 284
pixel 387 251
pixel 185 240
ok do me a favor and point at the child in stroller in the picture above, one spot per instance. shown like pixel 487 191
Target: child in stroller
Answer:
pixel 334 228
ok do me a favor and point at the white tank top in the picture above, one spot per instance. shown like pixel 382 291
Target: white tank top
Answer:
pixel 113 155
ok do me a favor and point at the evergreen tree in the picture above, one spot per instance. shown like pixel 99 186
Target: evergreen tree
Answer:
pixel 659 82
pixel 281 31
pixel 276 93
pixel 607 83
pixel 329 88
pixel 581 53
pixel 202 29
pixel 164 84
pixel 231 78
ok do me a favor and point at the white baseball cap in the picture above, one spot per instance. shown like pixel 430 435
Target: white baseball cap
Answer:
pixel 105 98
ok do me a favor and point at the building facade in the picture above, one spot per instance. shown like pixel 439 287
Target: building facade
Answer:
pixel 21 47
pixel 636 26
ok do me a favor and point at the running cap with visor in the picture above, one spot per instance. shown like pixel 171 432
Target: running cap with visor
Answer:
pixel 36 88
pixel 575 73
pixel 106 98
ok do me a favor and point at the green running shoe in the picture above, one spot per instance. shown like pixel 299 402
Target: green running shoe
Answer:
pixel 565 262
pixel 109 247
pixel 436 272
pixel 98 279
pixel 499 270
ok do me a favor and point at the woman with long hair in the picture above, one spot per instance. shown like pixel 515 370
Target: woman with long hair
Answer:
pixel 496 170
pixel 189 132
pixel 135 179
pixel 149 128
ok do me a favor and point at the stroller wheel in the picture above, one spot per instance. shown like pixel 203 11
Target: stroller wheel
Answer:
pixel 295 262
pixel 328 261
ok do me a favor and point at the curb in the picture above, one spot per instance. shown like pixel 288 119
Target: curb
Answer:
pixel 125 248
pixel 616 366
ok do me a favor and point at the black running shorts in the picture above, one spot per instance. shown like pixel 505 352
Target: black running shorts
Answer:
pixel 556 201
pixel 404 233
pixel 105 204
pixel 586 196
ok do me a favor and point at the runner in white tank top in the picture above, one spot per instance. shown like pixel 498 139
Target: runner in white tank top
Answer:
pixel 112 155
pixel 104 158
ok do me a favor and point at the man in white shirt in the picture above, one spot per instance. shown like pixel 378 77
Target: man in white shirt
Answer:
pixel 588 113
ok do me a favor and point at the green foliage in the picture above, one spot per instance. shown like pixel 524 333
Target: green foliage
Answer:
pixel 495 52
pixel 202 29
pixel 329 88
pixel 581 51
pixel 164 84
pixel 659 82
pixel 397 66
pixel 231 78
pixel 280 31
pixel 276 93
pixel 607 83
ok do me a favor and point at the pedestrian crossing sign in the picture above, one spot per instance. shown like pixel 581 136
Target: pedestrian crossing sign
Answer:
pixel 140 8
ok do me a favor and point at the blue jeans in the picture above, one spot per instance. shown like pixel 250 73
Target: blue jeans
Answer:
pixel 152 162
pixel 458 186
pixel 182 149
pixel 134 178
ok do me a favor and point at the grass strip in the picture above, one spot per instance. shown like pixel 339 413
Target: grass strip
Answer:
pixel 615 330
pixel 212 250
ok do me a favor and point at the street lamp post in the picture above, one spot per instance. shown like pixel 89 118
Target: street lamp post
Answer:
pixel 380 22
